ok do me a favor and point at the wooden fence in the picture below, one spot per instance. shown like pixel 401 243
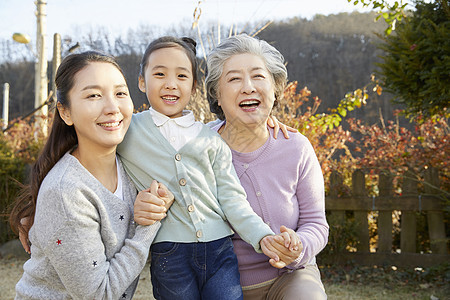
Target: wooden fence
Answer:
pixel 409 203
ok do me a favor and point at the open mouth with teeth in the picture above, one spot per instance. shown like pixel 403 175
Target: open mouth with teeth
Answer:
pixel 170 99
pixel 110 125
pixel 249 104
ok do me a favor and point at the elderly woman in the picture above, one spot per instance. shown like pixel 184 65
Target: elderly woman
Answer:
pixel 282 177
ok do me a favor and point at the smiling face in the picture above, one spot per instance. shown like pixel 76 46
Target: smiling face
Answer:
pixel 168 81
pixel 100 107
pixel 246 90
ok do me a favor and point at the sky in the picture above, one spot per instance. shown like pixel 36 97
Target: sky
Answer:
pixel 68 17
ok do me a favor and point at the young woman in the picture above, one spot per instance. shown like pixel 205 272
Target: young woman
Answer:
pixel 84 241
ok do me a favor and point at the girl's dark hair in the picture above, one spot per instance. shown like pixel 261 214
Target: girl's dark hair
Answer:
pixel 185 43
pixel 62 137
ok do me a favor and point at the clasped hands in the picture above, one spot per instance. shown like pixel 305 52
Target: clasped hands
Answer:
pixel 152 204
pixel 282 249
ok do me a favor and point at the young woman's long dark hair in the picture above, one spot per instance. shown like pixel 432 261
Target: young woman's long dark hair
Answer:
pixel 62 137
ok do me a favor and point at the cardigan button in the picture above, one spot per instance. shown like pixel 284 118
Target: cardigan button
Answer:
pixel 245 166
pixel 258 193
pixel 199 234
pixel 190 208
pixel 178 156
pixel 182 182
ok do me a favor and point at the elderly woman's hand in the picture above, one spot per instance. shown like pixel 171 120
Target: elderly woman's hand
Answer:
pixel 152 204
pixel 273 122
pixel 283 249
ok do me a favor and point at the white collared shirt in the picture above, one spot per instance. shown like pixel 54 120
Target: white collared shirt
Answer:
pixel 177 131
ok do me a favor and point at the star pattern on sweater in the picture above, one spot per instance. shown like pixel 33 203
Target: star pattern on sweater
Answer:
pixel 121 218
pixel 58 242
pixel 124 295
pixel 94 263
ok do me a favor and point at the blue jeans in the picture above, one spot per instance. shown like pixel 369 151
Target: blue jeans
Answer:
pixel 195 271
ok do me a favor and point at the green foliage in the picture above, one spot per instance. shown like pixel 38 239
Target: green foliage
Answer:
pixel 11 167
pixel 19 147
pixel 416 65
pixel 391 13
pixel 351 101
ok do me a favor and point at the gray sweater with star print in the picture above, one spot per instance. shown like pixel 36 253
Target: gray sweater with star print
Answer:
pixel 85 244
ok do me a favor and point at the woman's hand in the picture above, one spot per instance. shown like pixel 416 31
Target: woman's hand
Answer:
pixel 282 249
pixel 289 237
pixel 23 234
pixel 277 125
pixel 152 204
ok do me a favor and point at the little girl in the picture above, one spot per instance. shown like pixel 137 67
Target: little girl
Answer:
pixel 192 255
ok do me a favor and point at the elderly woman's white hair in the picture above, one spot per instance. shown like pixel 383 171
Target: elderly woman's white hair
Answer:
pixel 241 44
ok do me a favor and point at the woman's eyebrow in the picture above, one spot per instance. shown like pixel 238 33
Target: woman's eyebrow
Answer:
pixel 92 87
pixel 233 71
pixel 239 71
pixel 257 69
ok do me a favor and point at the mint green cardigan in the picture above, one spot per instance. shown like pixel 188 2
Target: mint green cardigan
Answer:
pixel 208 194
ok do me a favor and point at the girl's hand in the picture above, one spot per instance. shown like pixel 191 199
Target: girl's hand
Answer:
pixel 160 190
pixel 152 204
pixel 277 125
pixel 267 249
pixel 23 234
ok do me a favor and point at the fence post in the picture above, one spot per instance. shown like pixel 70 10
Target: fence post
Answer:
pixel 359 190
pixel 385 216
pixel 408 233
pixel 336 216
pixel 436 227
pixel 5 105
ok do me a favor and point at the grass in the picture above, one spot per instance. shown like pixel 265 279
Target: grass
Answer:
pixel 386 282
pixel 341 282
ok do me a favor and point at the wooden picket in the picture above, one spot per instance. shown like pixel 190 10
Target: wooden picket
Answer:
pixel 409 203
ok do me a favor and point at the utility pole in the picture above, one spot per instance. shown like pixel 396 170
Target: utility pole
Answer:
pixel 56 60
pixel 41 79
